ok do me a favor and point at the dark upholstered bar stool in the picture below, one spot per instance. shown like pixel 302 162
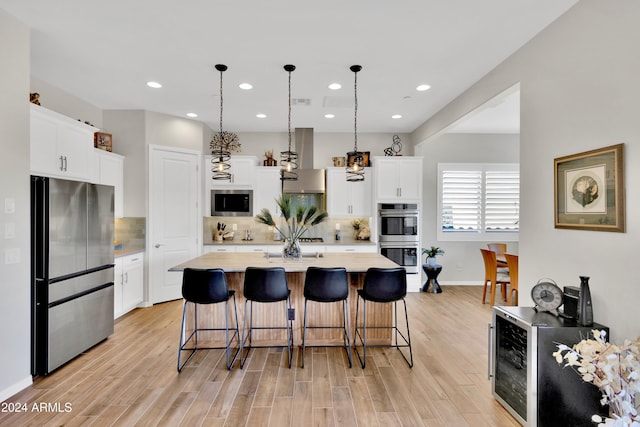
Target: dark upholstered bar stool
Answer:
pixel 383 285
pixel 265 285
pixel 207 287
pixel 327 285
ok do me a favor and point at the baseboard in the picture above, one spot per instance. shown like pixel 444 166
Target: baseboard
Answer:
pixel 15 388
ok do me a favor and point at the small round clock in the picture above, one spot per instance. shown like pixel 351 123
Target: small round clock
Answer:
pixel 547 296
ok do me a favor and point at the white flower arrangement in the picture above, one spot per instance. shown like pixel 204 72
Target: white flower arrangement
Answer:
pixel 614 369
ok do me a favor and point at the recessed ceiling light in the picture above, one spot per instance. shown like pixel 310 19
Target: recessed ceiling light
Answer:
pixel 193 115
pixel 396 116
pixel 245 86
pixel 422 88
pixel 329 116
pixel 261 115
pixel 335 86
pixel 154 85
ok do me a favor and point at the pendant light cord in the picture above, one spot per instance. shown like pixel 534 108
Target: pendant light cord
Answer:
pixel 355 111
pixel 289 119
pixel 221 106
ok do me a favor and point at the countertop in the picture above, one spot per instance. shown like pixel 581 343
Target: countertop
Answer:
pixel 234 262
pixel 262 241
pixel 127 250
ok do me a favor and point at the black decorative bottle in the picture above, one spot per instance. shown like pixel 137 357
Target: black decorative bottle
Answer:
pixel 585 308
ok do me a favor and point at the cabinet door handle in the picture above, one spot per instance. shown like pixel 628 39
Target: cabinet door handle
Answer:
pixel 489 333
pixel 61 163
pixel 65 163
pixel 126 277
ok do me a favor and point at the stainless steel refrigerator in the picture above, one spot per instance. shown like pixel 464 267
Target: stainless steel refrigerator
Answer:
pixel 72 269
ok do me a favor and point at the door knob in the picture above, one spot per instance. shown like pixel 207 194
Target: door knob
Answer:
pixel 157 245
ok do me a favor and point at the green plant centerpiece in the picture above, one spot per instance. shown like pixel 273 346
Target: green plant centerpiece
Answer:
pixel 431 254
pixel 295 222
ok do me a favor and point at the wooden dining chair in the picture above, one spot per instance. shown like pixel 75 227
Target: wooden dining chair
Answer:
pixel 492 276
pixel 512 263
pixel 500 249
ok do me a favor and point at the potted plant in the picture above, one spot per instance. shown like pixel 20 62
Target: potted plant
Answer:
pixel 295 223
pixel 431 254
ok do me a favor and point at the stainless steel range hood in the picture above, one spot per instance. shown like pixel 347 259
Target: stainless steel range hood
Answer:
pixel 310 180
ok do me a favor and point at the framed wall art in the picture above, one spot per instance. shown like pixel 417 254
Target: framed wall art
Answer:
pixel 589 190
pixel 102 141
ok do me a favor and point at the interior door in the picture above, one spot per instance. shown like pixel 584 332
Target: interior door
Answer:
pixel 174 215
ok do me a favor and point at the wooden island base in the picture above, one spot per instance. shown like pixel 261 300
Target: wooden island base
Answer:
pixel 319 314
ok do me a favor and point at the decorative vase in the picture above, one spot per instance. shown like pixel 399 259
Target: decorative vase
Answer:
pixel 431 261
pixel 585 308
pixel 291 249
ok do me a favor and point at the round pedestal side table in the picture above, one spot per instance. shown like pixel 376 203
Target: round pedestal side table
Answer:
pixel 432 272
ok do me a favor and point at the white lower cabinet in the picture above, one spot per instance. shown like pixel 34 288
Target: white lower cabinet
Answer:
pixel 216 248
pixel 129 283
pixel 352 248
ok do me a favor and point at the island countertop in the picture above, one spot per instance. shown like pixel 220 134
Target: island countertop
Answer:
pixel 237 262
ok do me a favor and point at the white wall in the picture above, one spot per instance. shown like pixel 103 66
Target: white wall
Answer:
pixel 15 293
pixel 579 91
pixel 462 263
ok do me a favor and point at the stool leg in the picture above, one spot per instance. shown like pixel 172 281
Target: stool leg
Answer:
pixel 347 333
pixel 304 331
pixel 289 330
pixel 246 336
pixel 406 318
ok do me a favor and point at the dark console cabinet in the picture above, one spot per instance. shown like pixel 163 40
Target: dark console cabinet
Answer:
pixel 525 377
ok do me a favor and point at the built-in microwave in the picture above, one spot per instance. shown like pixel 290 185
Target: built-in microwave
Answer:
pixel 231 202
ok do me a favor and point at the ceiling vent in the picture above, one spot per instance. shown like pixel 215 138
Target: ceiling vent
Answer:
pixel 305 102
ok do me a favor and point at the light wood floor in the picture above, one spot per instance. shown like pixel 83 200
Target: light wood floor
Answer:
pixel 131 378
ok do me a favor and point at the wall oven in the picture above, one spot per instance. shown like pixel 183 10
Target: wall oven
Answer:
pixel 398 222
pixel 405 254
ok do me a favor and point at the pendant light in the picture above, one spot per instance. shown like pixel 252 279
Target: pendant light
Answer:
pixel 355 158
pixel 220 153
pixel 289 159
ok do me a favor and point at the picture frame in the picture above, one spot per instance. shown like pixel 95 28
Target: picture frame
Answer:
pixel 366 160
pixel 589 190
pixel 102 141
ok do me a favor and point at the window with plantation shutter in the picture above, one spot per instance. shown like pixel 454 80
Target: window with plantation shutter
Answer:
pixel 478 201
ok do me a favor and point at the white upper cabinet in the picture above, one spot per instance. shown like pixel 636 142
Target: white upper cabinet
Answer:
pixel 110 170
pixel 398 178
pixel 242 172
pixel 60 146
pixel 267 189
pixel 346 198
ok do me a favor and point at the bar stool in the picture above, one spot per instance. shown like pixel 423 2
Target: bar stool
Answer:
pixel 207 287
pixel 327 285
pixel 265 285
pixel 383 285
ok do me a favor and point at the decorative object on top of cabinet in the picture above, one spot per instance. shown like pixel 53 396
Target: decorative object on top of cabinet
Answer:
pixel 268 159
pixel 398 178
pixel 355 158
pixel 220 150
pixel 289 159
pixel 338 162
pixel 34 98
pixel 395 148
pixel 103 141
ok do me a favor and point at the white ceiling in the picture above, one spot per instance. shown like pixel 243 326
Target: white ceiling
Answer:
pixel 105 51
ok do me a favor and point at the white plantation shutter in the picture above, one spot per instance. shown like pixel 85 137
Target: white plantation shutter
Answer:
pixel 502 200
pixel 461 200
pixel 478 200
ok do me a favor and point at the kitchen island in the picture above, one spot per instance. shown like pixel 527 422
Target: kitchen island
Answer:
pixel 356 264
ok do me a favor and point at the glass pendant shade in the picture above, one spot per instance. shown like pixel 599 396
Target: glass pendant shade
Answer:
pixel 355 158
pixel 220 154
pixel 289 158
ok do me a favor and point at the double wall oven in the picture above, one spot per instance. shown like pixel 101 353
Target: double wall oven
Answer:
pixel 399 234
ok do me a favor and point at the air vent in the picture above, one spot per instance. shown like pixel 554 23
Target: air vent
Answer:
pixel 305 102
pixel 338 102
